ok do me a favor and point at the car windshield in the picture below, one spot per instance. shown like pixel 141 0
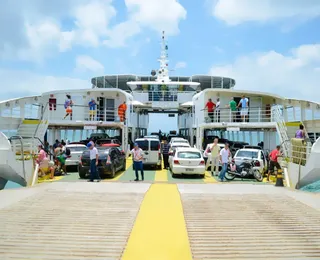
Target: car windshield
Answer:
pixel 77 148
pixel 247 154
pixel 189 155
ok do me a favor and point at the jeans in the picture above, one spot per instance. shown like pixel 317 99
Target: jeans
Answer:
pixel 93 170
pixel 223 171
pixel 138 166
pixel 165 160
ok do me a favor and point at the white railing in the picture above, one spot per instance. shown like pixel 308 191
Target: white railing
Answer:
pixel 107 115
pixel 225 115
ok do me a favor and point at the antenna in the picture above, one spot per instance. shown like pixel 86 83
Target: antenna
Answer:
pixel 163 72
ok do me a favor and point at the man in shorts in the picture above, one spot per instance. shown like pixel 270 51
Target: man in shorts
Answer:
pixel 274 161
pixel 244 103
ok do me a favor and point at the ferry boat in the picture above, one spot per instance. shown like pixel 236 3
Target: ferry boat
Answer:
pixel 25 122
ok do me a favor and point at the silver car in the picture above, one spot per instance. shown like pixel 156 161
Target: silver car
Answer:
pixel 76 152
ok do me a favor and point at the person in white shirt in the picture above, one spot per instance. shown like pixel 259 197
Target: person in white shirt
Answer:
pixel 225 154
pixel 137 155
pixel 244 103
pixel 215 152
pixel 218 110
pixel 94 159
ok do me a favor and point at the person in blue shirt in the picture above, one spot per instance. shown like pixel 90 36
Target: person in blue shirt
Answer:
pixel 92 108
pixel 244 103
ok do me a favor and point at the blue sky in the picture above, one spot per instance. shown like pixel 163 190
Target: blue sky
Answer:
pixel 268 45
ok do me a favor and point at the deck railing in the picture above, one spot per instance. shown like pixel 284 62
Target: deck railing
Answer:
pixel 225 115
pixel 83 113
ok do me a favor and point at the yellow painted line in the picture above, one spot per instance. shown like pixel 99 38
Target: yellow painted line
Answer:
pixel 160 231
pixel 47 179
pixel 30 122
pixel 296 124
pixel 209 179
pixel 161 175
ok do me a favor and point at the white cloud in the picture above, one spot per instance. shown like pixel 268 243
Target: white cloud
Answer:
pixel 158 15
pixel 180 65
pixel 25 83
pixel 234 12
pixel 294 75
pixel 86 63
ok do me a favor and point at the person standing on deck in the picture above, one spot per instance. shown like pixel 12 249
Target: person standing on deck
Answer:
pixel 68 106
pixel 233 109
pixel 301 133
pixel 274 161
pixel 218 110
pixel 225 154
pixel 210 106
pixel 94 160
pixel 122 109
pixel 137 155
pixel 244 103
pixel 165 153
pixel 92 109
pixel 215 156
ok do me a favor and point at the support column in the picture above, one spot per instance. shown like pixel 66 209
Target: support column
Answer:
pixel 73 135
pixel 250 138
pixel 243 136
pixel 302 112
pixel 81 134
pixel 22 111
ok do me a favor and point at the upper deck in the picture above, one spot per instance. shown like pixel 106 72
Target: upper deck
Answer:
pixel 264 110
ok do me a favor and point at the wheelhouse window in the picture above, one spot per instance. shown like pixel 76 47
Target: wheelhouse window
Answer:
pixel 189 155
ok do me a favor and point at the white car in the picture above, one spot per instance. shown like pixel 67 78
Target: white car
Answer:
pixel 75 153
pixel 187 161
pixel 252 154
pixel 174 146
pixel 178 140
pixel 207 154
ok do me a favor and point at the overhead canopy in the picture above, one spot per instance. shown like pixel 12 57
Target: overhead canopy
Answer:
pixel 137 103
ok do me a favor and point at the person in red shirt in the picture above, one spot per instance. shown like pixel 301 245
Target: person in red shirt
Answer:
pixel 210 106
pixel 274 161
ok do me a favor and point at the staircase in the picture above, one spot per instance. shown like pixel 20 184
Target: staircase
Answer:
pixel 281 129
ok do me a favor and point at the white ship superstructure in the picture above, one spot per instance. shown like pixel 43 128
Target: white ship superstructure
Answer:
pixel 28 121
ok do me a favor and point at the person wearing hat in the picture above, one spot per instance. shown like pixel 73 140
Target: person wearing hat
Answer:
pixel 94 159
pixel 137 155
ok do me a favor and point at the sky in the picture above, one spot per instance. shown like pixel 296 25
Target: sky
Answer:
pixel 266 45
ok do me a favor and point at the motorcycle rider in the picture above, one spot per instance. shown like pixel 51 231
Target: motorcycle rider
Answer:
pixel 225 155
pixel 274 161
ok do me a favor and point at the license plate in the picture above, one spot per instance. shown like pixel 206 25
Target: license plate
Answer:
pixel 189 170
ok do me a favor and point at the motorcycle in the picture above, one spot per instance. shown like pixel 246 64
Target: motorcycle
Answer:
pixel 245 169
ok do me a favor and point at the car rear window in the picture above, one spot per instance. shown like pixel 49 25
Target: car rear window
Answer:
pixel 247 154
pixel 155 145
pixel 77 149
pixel 180 141
pixel 144 145
pixel 189 155
pixel 182 145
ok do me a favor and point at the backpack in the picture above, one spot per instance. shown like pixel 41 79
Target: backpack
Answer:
pixel 68 152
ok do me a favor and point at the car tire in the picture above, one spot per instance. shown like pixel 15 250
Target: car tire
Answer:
pixel 202 176
pixel 159 167
pixel 82 175
pixel 113 171
pixel 124 166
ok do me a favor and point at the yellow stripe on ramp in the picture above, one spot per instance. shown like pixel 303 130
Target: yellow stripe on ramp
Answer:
pixel 30 122
pixel 296 124
pixel 160 231
pixel 208 178
pixel 161 175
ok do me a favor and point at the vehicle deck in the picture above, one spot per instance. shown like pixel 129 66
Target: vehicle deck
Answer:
pixel 163 218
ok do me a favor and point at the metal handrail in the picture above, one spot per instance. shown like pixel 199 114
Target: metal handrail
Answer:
pixel 41 118
pixel 28 137
pixel 18 137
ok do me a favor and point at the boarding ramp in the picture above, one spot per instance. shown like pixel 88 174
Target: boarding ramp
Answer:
pixel 16 161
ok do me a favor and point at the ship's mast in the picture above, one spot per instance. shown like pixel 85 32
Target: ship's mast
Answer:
pixel 163 72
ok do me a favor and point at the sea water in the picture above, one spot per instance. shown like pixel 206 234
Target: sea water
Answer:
pixel 313 187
